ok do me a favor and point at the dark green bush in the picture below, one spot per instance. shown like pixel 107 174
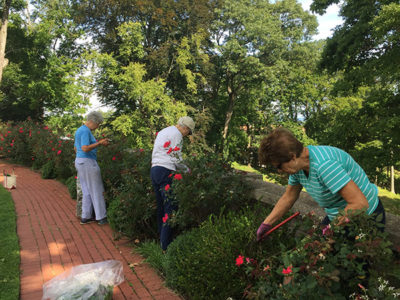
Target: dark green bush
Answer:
pixel 71 185
pixel 211 187
pixel 48 170
pixel 132 208
pixel 201 263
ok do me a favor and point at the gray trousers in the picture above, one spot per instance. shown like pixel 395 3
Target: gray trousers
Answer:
pixel 92 188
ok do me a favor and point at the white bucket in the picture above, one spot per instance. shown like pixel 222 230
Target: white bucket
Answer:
pixel 10 181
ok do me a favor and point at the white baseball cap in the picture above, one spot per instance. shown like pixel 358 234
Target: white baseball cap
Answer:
pixel 188 122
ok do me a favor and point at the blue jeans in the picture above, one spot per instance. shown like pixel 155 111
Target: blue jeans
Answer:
pixel 165 205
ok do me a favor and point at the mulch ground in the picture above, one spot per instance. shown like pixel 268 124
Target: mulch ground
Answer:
pixel 52 241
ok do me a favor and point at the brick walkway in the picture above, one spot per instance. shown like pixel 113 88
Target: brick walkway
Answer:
pixel 52 241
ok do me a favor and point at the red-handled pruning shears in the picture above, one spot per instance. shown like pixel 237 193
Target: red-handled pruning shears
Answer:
pixel 280 224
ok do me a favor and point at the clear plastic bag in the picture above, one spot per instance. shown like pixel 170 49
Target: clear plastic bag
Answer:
pixel 91 281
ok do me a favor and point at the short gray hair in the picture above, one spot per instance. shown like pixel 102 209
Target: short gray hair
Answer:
pixel 95 117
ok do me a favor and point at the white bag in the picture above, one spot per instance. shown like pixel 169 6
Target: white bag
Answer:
pixel 90 281
pixel 9 181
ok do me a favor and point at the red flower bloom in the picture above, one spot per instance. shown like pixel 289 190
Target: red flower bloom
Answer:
pixel 141 150
pixel 46 127
pixel 169 151
pixel 2 139
pixel 52 149
pixel 287 271
pixel 11 144
pixel 178 176
pixel 58 152
pixel 76 177
pixel 20 130
pixel 166 144
pixel 165 218
pixel 167 187
pixel 170 175
pixel 239 260
pixel 177 149
pixel 114 158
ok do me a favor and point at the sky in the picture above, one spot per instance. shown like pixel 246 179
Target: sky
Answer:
pixel 327 23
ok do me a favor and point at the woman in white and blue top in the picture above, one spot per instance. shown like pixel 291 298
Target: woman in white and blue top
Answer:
pixel 330 175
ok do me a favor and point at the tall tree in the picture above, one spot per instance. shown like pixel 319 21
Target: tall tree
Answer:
pixel 252 41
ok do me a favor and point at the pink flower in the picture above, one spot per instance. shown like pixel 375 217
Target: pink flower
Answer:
pixel 52 149
pixel 11 144
pixel 114 158
pixel 165 218
pixel 267 268
pixel 170 175
pixel 326 229
pixel 46 127
pixel 33 158
pixel 58 152
pixel 156 133
pixel 76 177
pixel 167 187
pixel 2 139
pixel 239 260
pixel 247 259
pixel 287 271
pixel 141 150
pixel 169 151
pixel 166 144
pixel 177 149
pixel 178 176
pixel 21 130
pixel 361 286
pixel 8 131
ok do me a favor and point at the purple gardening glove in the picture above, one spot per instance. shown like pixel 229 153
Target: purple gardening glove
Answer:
pixel 262 230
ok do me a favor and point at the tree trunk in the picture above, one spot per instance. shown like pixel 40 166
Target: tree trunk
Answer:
pixel 3 36
pixel 392 179
pixel 229 113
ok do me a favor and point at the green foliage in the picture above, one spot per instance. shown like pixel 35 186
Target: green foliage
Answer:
pixel 71 185
pixel 129 191
pixel 48 170
pixel 212 187
pixel 153 254
pixel 201 263
pixel 335 260
pixel 9 250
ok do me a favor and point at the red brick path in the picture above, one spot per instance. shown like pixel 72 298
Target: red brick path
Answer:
pixel 52 241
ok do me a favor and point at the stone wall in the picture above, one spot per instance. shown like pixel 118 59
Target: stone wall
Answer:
pixel 270 193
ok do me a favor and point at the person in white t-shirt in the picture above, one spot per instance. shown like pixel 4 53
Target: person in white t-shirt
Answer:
pixel 166 158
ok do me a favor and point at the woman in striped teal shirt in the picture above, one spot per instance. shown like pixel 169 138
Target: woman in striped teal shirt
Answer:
pixel 330 175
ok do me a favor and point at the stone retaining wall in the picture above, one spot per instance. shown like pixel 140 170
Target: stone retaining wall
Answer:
pixel 270 193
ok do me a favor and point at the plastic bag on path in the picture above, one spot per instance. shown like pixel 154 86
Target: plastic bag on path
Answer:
pixel 90 281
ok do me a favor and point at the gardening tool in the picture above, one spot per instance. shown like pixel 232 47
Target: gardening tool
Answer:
pixel 280 224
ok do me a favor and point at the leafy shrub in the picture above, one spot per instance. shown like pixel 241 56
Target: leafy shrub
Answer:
pixel 211 187
pixel 132 208
pixel 71 185
pixel 201 263
pixel 48 170
pixel 337 261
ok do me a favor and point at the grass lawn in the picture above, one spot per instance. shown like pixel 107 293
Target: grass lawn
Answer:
pixel 391 201
pixel 9 249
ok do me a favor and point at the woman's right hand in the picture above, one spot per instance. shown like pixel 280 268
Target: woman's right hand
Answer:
pixel 103 142
pixel 264 228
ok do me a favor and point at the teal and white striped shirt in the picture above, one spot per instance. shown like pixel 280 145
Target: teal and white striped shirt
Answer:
pixel 330 170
